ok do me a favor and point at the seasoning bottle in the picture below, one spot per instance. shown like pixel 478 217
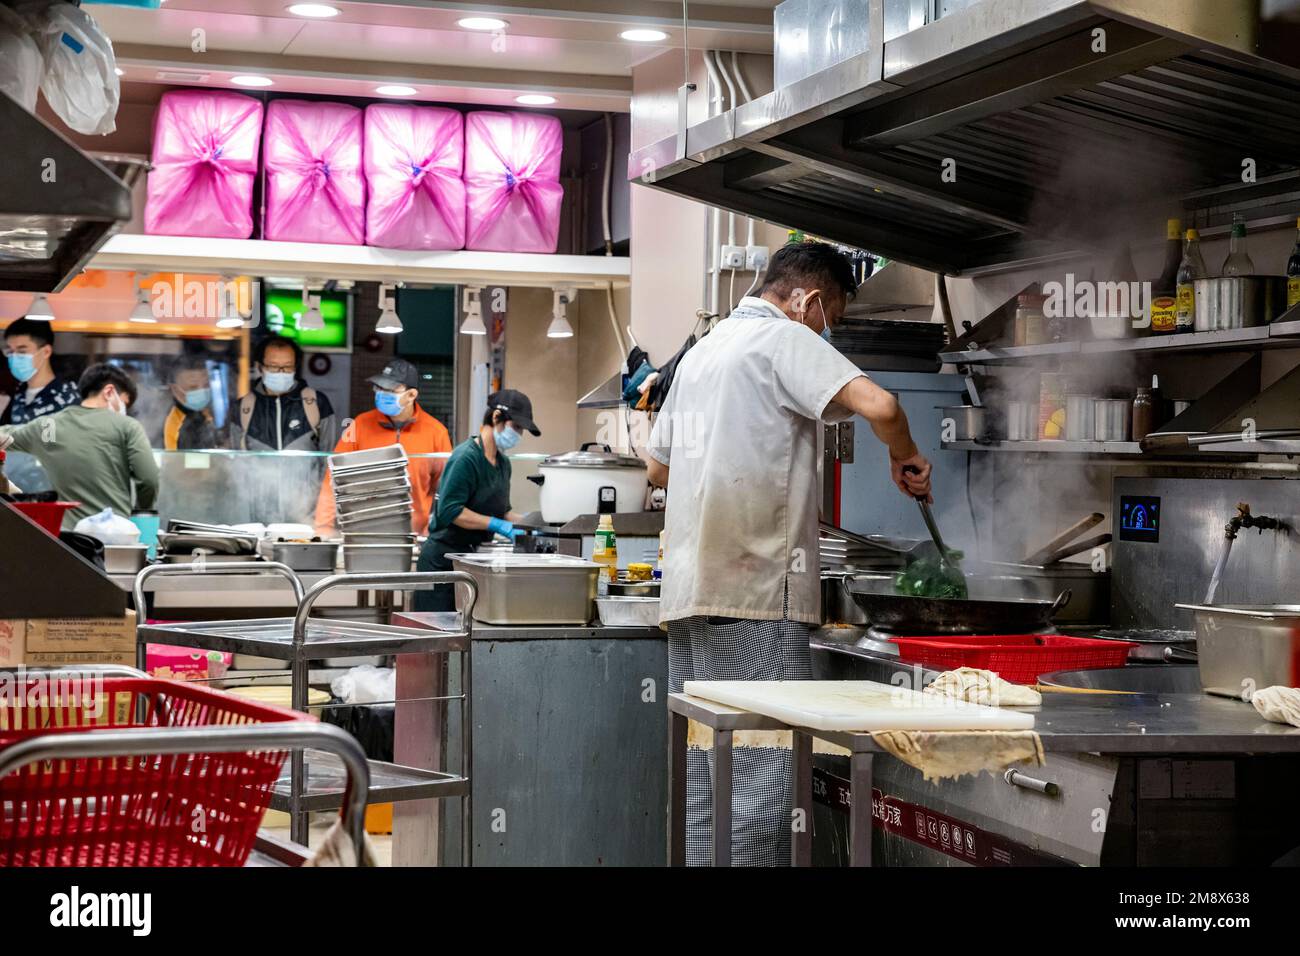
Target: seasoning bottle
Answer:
pixel 1163 307
pixel 1189 270
pixel 1293 274
pixel 605 553
pixel 1238 262
pixel 1031 324
pixel 1143 416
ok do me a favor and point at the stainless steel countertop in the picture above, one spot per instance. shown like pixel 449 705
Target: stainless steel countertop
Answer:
pixel 446 620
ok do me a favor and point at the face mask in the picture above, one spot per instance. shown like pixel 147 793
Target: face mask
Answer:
pixel 23 367
pixel 114 403
pixel 388 403
pixel 507 438
pixel 278 382
pixel 826 326
pixel 198 399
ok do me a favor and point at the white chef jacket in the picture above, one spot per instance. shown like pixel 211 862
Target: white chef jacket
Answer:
pixel 739 431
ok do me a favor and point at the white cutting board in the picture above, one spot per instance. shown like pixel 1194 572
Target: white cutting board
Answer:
pixel 856 705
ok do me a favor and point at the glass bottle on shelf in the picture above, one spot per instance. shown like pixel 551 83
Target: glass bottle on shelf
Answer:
pixel 1189 270
pixel 1163 307
pixel 1293 273
pixel 1238 262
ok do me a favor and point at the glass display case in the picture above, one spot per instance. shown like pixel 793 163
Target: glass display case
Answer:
pixel 238 487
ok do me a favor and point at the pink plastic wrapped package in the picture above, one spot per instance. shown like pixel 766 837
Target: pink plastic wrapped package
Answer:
pixel 205 147
pixel 414 157
pixel 512 182
pixel 315 191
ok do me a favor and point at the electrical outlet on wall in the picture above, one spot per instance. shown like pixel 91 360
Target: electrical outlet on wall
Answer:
pixel 733 257
pixel 756 258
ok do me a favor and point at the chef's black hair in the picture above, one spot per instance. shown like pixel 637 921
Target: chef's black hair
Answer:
pixel 809 265
pixel 279 341
pixel 186 362
pixel 39 332
pixel 98 377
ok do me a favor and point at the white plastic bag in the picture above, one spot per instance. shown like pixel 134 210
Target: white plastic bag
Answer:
pixel 80 81
pixel 21 62
pixel 109 528
pixel 366 685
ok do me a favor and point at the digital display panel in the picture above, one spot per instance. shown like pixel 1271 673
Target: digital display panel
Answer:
pixel 1139 518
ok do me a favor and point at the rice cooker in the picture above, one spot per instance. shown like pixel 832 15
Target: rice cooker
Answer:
pixel 592 480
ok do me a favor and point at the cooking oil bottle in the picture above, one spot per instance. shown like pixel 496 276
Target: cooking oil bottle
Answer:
pixel 605 553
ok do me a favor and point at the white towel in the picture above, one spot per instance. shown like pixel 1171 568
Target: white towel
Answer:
pixel 1278 704
pixel 337 850
pixel 983 687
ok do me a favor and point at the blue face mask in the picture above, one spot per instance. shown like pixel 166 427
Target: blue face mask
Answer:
pixel 22 367
pixel 388 403
pixel 197 399
pixel 277 383
pixel 507 438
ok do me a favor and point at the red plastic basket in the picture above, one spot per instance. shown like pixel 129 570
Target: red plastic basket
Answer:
pixel 199 809
pixel 1019 658
pixel 47 514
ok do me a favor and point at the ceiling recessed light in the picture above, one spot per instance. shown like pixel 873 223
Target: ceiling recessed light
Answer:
pixel 251 80
pixel 316 11
pixel 644 36
pixel 535 99
pixel 395 90
pixel 481 23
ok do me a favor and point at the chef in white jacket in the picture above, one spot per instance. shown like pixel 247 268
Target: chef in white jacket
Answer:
pixel 737 433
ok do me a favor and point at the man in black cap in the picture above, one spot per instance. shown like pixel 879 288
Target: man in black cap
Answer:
pixel 396 419
pixel 474 496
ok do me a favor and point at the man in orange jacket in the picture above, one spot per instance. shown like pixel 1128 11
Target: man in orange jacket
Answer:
pixel 397 418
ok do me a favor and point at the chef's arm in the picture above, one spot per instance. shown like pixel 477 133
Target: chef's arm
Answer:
pixel 656 472
pixel 908 467
pixel 474 521
pixel 144 469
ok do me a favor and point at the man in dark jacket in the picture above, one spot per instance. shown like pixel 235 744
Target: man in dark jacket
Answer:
pixel 281 411
pixel 189 422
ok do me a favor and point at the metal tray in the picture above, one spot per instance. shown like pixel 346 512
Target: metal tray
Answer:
pixel 306 556
pixel 368 486
pixel 349 461
pixel 377 557
pixel 394 472
pixel 628 611
pixel 530 588
pixel 125 558
pixel 351 504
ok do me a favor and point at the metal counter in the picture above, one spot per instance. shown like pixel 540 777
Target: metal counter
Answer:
pixel 569 730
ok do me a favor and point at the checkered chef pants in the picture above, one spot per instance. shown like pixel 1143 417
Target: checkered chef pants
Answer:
pixel 701 648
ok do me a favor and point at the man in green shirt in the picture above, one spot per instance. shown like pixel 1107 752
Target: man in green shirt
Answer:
pixel 93 451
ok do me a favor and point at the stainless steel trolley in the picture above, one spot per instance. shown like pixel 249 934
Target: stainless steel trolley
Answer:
pixel 159 741
pixel 314 780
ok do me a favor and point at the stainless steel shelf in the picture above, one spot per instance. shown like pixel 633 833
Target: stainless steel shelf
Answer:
pixel 273 637
pixel 389 783
pixel 1276 336
pixel 1126 448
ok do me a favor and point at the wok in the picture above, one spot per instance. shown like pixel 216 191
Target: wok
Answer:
pixel 994 608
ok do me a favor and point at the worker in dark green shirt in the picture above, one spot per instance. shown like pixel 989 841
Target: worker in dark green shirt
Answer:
pixel 92 452
pixel 473 502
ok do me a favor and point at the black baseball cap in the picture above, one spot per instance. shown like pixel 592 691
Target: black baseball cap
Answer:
pixel 517 408
pixel 398 373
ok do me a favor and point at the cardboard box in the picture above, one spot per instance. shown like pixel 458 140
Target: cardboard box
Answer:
pixel 47 642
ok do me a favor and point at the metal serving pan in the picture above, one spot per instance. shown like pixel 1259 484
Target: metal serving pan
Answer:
pixel 976 615
pixel 349 461
pixel 1241 648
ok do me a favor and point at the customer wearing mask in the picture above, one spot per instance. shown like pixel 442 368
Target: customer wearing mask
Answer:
pixel 93 452
pixel 396 419
pixel 189 423
pixel 474 499
pixel 282 412
pixel 29 351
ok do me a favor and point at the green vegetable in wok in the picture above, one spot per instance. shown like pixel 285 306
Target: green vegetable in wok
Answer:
pixel 932 577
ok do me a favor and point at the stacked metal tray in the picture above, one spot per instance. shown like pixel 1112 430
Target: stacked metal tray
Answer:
pixel 372 500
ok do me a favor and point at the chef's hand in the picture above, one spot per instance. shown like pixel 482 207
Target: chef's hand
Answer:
pixel 504 528
pixel 912 475
pixel 5 441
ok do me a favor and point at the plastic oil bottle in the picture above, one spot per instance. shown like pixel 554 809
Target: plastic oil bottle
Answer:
pixel 605 553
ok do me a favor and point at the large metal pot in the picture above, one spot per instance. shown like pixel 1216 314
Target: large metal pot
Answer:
pixel 1242 648
pixel 576 483
pixel 1238 302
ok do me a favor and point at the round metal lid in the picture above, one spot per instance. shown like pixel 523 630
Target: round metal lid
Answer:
pixel 593 457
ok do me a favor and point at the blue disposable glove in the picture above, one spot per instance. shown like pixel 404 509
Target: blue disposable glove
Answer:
pixel 503 527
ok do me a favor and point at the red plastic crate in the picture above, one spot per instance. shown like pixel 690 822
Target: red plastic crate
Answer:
pixel 1019 658
pixel 199 809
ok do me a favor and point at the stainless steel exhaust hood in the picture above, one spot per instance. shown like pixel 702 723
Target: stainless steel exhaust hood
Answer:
pixel 57 204
pixel 1013 132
